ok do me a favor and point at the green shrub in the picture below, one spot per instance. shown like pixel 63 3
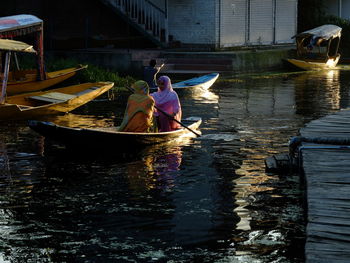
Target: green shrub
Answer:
pixel 91 74
pixel 344 47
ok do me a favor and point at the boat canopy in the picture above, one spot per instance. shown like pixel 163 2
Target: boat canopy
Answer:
pixel 8 45
pixel 21 25
pixel 13 45
pixel 325 32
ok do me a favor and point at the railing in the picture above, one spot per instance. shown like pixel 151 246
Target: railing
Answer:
pixel 147 15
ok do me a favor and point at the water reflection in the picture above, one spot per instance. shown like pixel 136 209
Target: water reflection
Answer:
pixel 319 90
pixel 81 121
pixel 155 171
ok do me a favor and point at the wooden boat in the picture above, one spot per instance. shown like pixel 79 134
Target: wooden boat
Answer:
pixel 36 104
pixel 203 82
pixel 317 48
pixel 109 137
pixel 54 101
pixel 21 81
pixel 31 80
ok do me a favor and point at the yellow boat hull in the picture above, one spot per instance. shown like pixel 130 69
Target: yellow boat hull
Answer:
pixel 54 101
pixel 26 80
pixel 314 64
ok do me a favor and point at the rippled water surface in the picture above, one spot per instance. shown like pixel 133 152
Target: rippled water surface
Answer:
pixel 204 199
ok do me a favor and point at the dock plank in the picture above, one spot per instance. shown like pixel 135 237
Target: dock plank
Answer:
pixel 327 177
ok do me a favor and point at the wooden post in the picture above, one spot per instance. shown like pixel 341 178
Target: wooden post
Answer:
pixel 6 75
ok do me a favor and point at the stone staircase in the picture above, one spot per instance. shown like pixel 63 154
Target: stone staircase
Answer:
pixel 150 20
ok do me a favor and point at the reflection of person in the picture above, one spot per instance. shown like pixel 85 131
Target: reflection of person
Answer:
pixel 166 99
pixel 138 115
pixel 154 171
pixel 150 73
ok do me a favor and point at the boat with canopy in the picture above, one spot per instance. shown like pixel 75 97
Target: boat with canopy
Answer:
pixel 20 80
pixel 41 103
pixel 317 48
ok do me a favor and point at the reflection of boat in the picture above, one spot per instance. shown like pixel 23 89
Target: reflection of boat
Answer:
pixel 317 48
pixel 29 105
pixel 203 82
pixel 31 80
pixel 110 136
pixel 21 81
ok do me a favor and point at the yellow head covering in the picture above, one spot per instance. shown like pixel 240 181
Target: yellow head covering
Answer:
pixel 141 87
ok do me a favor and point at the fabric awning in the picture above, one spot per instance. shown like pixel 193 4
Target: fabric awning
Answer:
pixel 13 45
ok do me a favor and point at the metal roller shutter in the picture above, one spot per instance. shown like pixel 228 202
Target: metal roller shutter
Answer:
pixel 286 16
pixel 261 22
pixel 233 23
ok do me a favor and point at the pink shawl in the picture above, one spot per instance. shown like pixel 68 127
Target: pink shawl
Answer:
pixel 168 101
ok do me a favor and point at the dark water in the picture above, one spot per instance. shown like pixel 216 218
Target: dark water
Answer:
pixel 204 199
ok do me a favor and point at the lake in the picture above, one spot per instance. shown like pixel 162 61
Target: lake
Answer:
pixel 206 199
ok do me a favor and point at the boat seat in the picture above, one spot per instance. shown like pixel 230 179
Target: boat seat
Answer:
pixel 53 97
pixel 86 91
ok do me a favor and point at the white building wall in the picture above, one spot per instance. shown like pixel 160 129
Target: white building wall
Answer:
pixel 228 23
pixel 345 12
pixel 193 21
pixel 340 8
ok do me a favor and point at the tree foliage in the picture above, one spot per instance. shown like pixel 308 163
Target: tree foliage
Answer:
pixel 310 14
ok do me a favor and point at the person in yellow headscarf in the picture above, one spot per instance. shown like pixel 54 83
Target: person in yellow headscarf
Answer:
pixel 138 115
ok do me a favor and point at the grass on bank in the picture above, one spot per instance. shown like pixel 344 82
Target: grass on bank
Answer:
pixel 92 73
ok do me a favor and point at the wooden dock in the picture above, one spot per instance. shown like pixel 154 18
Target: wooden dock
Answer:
pixel 327 177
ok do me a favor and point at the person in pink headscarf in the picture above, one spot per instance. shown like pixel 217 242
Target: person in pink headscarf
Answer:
pixel 166 99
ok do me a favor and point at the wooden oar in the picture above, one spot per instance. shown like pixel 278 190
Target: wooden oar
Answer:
pixel 171 117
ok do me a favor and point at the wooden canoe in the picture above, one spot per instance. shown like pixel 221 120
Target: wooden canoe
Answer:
pixel 109 137
pixel 310 64
pixel 54 101
pixel 22 81
pixel 203 82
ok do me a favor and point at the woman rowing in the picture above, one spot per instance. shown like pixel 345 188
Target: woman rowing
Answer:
pixel 166 100
pixel 138 115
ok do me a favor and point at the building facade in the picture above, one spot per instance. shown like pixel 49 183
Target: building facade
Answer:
pixel 340 8
pixel 230 23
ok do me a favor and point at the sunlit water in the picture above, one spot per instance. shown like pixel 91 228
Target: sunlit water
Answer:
pixel 204 199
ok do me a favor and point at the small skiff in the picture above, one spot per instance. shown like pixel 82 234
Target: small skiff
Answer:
pixel 203 82
pixel 110 137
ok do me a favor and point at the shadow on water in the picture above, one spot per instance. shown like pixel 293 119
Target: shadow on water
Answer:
pixel 204 199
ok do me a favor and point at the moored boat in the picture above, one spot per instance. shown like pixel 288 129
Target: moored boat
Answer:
pixel 203 82
pixel 37 104
pixel 20 80
pixel 110 136
pixel 317 48
pixel 54 101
